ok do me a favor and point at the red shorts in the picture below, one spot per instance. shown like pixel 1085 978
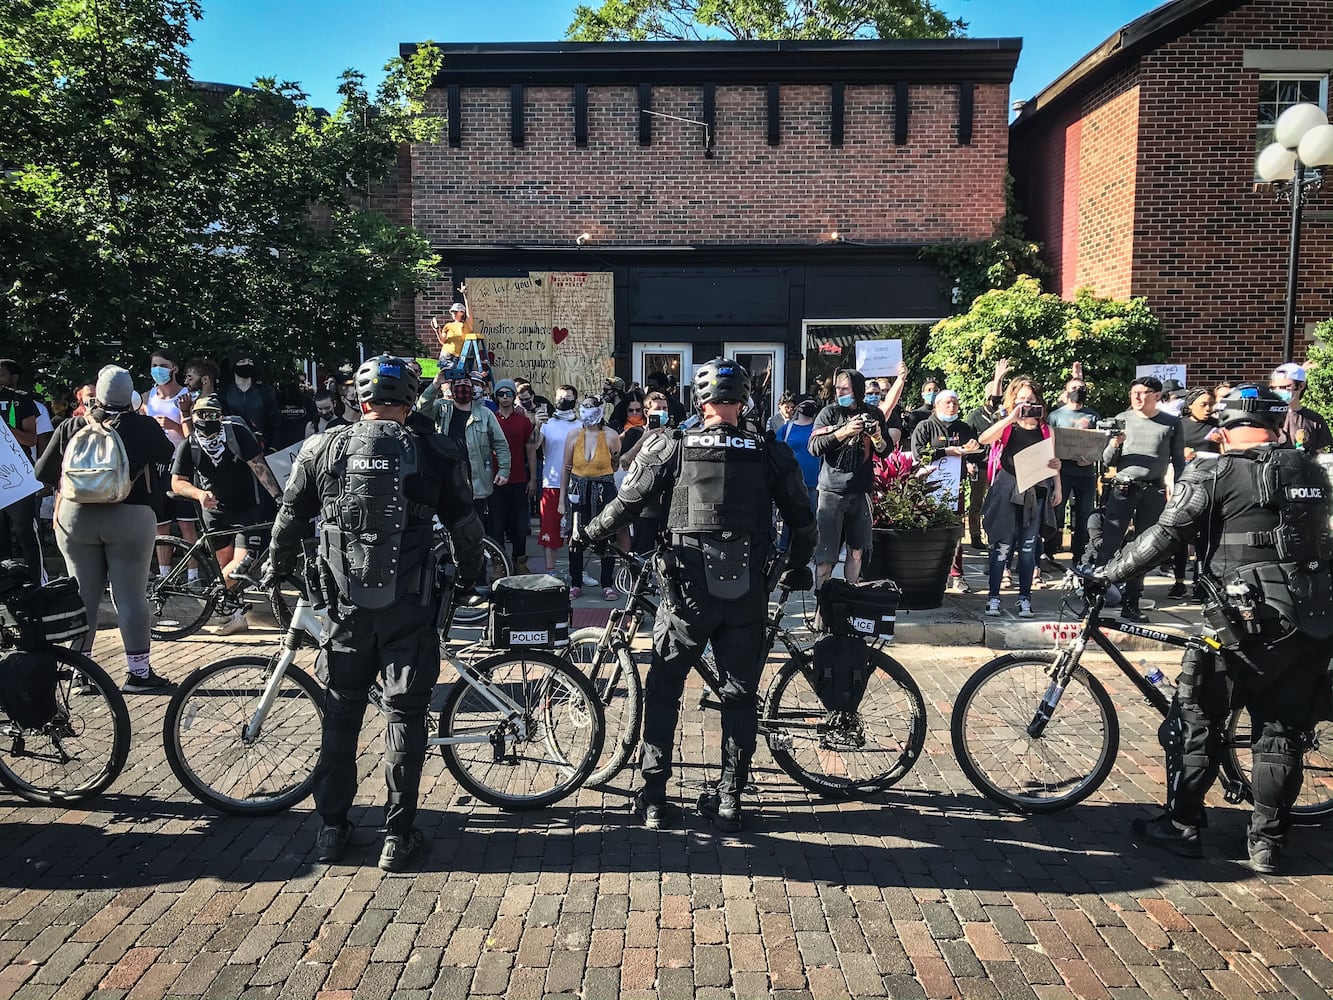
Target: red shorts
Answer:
pixel 550 537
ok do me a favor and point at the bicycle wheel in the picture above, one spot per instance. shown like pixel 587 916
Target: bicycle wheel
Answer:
pixel 495 565
pixel 79 752
pixel 536 757
pixel 202 734
pixel 1065 764
pixel 846 754
pixel 615 677
pixel 179 606
pixel 1315 801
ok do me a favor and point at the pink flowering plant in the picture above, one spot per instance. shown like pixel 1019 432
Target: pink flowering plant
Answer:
pixel 904 495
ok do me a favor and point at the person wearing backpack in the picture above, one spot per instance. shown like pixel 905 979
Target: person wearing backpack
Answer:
pixel 221 466
pixel 106 518
pixel 377 487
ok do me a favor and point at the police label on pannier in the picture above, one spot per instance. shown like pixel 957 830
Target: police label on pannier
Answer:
pixel 372 463
pixel 528 638
pixel 866 625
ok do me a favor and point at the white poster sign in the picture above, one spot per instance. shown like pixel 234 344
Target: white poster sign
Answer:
pixel 875 358
pixel 948 475
pixel 1162 372
pixel 16 478
pixel 1032 465
pixel 281 462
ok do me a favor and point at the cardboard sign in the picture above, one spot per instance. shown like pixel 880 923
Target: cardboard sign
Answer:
pixel 1161 372
pixel 1075 445
pixel 1032 465
pixel 878 357
pixel 16 478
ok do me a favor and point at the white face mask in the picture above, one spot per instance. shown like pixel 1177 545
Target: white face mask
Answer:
pixel 590 415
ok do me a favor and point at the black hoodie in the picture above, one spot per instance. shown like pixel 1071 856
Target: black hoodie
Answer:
pixel 847 467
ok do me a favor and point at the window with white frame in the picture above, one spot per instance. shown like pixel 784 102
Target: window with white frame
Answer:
pixel 1279 91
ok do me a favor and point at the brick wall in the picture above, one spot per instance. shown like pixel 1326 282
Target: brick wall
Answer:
pixel 549 191
pixel 1107 158
pixel 1211 249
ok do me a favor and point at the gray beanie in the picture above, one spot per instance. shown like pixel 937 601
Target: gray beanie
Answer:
pixel 115 388
pixel 506 383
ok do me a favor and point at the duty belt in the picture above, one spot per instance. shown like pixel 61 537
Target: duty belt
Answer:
pixel 1253 539
pixel 1139 484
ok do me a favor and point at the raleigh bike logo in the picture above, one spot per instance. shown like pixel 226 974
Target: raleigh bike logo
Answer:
pixel 714 439
pixel 360 463
pixel 1305 493
pixel 1142 633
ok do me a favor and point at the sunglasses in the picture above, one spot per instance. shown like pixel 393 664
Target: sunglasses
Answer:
pixel 502 392
pixel 634 409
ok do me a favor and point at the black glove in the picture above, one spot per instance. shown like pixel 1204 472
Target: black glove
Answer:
pixel 582 540
pixel 268 575
pixel 1093 583
pixel 797 578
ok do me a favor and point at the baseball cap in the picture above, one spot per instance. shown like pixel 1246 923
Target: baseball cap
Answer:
pixel 458 307
pixel 1149 382
pixel 1290 370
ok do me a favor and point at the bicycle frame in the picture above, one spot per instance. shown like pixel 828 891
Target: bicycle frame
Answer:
pixel 202 548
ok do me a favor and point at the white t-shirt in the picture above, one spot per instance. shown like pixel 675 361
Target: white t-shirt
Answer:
pixel 555 432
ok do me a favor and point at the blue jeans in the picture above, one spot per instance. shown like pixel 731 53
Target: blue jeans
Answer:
pixel 1025 544
pixel 785 538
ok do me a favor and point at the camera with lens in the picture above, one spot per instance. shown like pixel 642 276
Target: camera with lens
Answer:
pixel 1111 425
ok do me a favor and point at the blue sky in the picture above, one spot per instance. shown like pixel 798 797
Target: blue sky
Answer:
pixel 312 42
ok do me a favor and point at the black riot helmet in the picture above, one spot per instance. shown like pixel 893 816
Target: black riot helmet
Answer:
pixel 386 379
pixel 1251 405
pixel 721 381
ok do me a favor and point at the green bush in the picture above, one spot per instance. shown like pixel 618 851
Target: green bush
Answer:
pixel 1042 335
pixel 1319 384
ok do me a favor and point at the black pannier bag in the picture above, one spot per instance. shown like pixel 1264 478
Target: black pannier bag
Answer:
pixel 842 671
pixel 867 610
pixel 529 612
pixel 46 615
pixel 28 687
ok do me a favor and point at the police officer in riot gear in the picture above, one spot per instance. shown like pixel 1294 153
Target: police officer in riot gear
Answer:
pixel 1259 518
pixel 377 485
pixel 716 485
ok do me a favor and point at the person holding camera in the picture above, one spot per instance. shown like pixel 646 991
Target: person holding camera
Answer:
pixel 1259 516
pixel 846 435
pixel 1013 518
pixel 1147 449
pixel 716 485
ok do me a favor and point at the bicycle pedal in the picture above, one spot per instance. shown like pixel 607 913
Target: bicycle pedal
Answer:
pixel 709 704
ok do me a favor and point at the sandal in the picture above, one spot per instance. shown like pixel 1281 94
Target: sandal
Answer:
pixel 610 594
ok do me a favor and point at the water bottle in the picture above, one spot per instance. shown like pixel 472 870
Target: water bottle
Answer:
pixel 1157 678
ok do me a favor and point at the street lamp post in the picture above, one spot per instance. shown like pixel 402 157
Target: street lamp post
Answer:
pixel 1303 138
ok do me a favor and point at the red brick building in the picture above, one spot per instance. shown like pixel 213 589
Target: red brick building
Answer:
pixel 709 180
pixel 1136 170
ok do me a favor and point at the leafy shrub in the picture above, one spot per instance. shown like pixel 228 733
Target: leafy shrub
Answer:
pixel 1319 385
pixel 903 495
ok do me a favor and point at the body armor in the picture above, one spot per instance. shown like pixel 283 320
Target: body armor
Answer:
pixel 720 501
pixel 369 542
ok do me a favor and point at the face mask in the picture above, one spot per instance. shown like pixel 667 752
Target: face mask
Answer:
pixel 590 415
pixel 873 398
pixel 246 370
pixel 846 402
pixel 463 392
pixel 564 404
pixel 1283 394
pixel 806 409
pixel 161 376
pixel 1079 395
pixel 928 397
pixel 658 418
pixel 634 420
pixel 527 403
pixel 325 414
pixel 947 418
pixel 209 427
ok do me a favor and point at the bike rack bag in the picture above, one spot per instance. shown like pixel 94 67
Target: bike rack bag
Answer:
pixel 47 615
pixel 867 610
pixel 529 612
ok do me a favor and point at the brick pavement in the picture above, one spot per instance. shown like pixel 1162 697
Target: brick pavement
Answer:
pixel 927 891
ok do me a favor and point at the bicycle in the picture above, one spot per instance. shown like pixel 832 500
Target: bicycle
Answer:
pixel 836 754
pixel 496 566
pixel 82 749
pixel 519 729
pixel 1017 751
pixel 181 606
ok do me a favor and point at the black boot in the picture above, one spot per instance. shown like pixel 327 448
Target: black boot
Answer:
pixel 1129 611
pixel 723 811
pixel 654 811
pixel 1162 832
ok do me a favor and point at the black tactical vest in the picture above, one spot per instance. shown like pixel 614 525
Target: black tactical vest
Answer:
pixel 374 529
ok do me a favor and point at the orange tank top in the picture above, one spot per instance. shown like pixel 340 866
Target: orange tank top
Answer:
pixel 600 463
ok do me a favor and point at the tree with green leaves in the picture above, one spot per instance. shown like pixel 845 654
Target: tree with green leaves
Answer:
pixel 693 20
pixel 139 209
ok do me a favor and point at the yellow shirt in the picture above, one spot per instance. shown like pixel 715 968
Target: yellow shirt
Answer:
pixel 454 334
pixel 600 463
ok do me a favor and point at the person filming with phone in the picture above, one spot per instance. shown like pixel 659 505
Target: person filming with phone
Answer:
pixel 1148 453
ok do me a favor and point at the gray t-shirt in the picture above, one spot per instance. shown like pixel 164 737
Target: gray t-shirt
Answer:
pixel 1084 419
pixel 1152 444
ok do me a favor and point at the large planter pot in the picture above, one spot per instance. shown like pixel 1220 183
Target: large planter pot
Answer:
pixel 917 560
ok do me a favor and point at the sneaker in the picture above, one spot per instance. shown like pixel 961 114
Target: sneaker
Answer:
pixel 1263 857
pixel 236 622
pixel 1162 832
pixel 959 585
pixel 723 811
pixel 1025 607
pixel 80 684
pixel 331 844
pixel 575 593
pixel 589 581
pixel 400 849
pixel 993 607
pixel 1129 611
pixel 151 684
pixel 980 546
pixel 1177 590
pixel 653 814
pixel 610 594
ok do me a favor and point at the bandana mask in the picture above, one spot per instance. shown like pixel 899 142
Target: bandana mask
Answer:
pixel 635 420
pixel 591 416
pixel 463 392
pixel 211 439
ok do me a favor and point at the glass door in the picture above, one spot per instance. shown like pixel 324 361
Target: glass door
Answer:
pixel 670 360
pixel 766 364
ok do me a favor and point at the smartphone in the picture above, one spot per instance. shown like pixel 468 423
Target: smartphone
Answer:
pixel 1034 411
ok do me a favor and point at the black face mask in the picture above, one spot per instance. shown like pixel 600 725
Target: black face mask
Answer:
pixel 243 371
pixel 1078 396
pixel 564 404
pixel 806 409
pixel 209 426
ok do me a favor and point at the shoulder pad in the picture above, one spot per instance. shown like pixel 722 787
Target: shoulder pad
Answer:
pixel 1202 471
pixel 660 447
